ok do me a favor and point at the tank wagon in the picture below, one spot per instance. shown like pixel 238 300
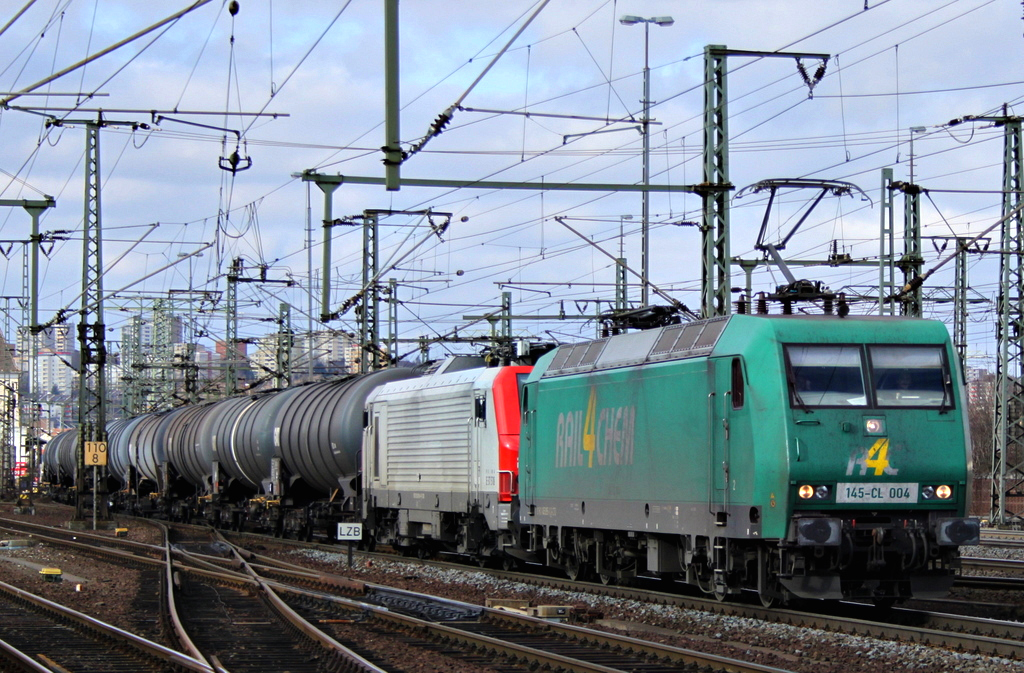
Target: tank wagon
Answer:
pixel 285 461
pixel 820 457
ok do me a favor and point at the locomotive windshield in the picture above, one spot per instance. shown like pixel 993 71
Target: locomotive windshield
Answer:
pixel 826 376
pixel 910 376
pixel 900 376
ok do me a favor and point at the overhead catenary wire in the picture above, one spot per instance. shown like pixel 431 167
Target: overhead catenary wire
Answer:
pixel 526 260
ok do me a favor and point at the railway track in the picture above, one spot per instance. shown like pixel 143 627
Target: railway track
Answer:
pixel 40 633
pixel 493 637
pixel 237 622
pixel 301 588
pixel 1007 566
pixel 358 616
pixel 222 620
pixel 969 634
pixel 1002 537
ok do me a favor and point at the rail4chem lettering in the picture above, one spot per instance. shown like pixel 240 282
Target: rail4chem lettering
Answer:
pixel 875 459
pixel 597 437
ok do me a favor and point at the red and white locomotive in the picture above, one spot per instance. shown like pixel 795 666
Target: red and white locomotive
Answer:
pixel 440 460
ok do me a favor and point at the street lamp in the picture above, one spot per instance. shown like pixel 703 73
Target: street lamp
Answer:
pixel 630 20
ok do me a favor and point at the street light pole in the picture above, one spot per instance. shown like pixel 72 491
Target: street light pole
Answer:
pixel 645 125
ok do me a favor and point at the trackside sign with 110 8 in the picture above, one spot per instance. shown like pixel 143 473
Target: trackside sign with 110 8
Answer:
pixel 95 454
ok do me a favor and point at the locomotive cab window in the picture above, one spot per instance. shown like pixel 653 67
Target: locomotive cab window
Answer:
pixel 825 376
pixel 910 376
pixel 737 384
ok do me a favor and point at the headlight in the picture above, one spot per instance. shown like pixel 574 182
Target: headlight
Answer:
pixel 809 491
pixel 942 492
pixel 874 426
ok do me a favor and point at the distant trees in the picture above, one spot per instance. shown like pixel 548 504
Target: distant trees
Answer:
pixel 980 417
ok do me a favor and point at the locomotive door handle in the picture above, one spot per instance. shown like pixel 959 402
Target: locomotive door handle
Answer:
pixel 711 444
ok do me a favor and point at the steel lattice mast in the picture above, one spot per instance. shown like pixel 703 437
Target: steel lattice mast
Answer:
pixel 716 261
pixel 92 412
pixel 1007 433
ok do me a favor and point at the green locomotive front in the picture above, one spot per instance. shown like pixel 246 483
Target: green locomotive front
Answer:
pixel 813 456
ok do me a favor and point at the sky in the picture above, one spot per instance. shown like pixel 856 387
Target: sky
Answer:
pixel 315 71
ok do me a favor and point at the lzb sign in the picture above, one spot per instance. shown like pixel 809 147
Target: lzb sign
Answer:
pixel 350 531
pixel 95 454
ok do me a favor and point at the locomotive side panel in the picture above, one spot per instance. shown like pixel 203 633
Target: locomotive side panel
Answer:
pixel 623 449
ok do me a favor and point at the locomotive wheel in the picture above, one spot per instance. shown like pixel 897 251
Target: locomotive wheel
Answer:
pixel 607 579
pixel 575 570
pixel 509 563
pixel 769 600
pixel 773 596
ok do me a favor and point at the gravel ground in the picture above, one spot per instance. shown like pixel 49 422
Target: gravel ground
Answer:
pixel 109 591
pixel 779 645
pixel 106 591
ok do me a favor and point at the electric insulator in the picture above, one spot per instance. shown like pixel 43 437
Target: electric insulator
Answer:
pixel 233 7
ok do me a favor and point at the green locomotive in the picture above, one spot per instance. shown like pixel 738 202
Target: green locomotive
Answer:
pixel 811 456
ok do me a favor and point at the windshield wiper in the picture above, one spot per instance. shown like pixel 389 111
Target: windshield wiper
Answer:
pixel 944 406
pixel 796 394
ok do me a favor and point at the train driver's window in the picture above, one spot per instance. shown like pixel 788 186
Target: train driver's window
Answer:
pixel 825 376
pixel 910 376
pixel 738 391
